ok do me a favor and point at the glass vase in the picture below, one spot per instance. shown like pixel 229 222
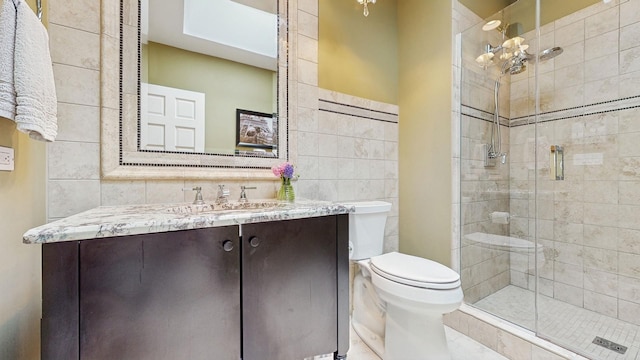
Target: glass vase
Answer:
pixel 286 191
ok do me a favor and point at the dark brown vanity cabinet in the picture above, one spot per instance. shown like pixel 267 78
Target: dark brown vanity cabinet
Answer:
pixel 289 288
pixel 169 295
pixel 278 291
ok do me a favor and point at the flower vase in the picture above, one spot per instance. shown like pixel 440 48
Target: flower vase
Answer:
pixel 286 190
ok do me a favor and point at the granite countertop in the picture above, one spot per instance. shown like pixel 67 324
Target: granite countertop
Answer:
pixel 111 221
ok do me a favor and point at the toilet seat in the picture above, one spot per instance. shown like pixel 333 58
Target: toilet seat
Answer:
pixel 415 271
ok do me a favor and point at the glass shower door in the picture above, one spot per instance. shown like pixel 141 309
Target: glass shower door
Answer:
pixel 587 179
pixel 497 187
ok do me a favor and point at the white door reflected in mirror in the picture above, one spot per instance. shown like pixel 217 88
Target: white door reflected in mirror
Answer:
pixel 171 119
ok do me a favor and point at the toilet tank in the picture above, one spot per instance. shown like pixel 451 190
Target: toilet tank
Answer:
pixel 366 228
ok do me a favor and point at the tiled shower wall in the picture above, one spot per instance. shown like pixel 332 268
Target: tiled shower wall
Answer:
pixel 369 171
pixel 589 223
pixel 483 190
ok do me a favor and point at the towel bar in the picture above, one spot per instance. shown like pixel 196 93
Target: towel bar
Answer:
pixel 39 9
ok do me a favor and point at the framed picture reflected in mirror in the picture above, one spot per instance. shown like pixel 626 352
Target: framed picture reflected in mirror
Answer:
pixel 256 130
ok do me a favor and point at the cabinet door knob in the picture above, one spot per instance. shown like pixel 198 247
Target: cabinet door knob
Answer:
pixel 254 241
pixel 227 245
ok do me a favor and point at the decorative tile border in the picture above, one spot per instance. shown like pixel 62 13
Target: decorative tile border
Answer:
pixel 481 114
pixel 345 109
pixel 591 109
pixel 631 102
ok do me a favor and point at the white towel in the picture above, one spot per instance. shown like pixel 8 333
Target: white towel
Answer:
pixel 36 103
pixel 7 41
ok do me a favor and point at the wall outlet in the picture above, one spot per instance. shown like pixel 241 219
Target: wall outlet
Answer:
pixel 6 159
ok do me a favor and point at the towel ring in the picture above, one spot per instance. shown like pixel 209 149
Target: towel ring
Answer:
pixel 39 9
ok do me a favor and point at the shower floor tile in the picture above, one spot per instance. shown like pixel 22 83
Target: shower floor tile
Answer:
pixel 567 325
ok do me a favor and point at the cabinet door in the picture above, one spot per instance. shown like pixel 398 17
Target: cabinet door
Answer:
pixel 170 295
pixel 289 290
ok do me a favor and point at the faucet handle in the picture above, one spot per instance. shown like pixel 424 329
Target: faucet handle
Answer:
pixel 198 199
pixel 243 193
pixel 223 193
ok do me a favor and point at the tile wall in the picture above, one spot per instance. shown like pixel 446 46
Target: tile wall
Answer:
pixel 73 161
pixel 340 157
pixel 356 156
pixel 590 104
pixel 482 190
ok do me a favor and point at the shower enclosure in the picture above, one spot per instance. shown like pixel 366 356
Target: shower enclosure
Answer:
pixel 550 171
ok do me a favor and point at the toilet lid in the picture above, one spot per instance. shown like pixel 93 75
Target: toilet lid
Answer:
pixel 415 271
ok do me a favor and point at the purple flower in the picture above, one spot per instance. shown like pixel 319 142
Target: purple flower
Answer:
pixel 284 170
pixel 287 171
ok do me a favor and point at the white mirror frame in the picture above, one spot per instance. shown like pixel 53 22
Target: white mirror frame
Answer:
pixel 119 156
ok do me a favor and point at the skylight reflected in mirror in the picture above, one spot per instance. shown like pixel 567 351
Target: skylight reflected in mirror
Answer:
pixel 222 28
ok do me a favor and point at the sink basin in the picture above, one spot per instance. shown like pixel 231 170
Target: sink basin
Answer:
pixel 251 205
pixel 191 209
pixel 230 206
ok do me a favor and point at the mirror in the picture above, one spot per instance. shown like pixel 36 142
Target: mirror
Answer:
pixel 200 87
pixel 208 76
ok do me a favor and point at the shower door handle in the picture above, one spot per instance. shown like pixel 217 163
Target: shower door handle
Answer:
pixel 556 166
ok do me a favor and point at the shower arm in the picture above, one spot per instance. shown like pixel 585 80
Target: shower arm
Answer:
pixel 492 49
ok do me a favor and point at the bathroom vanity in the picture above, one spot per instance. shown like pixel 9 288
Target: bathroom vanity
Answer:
pixel 266 281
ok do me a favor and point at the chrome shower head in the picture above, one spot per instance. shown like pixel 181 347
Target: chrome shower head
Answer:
pixel 515 65
pixel 517 68
pixel 550 53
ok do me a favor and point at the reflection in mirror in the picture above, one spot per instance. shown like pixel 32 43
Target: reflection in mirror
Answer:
pixel 125 35
pixel 201 62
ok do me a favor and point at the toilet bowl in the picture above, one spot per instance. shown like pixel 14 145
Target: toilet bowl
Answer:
pixel 398 299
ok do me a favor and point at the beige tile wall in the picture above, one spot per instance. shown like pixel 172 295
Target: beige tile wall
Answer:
pixel 480 190
pixel 356 155
pixel 484 267
pixel 588 222
pixel 580 220
pixel 74 183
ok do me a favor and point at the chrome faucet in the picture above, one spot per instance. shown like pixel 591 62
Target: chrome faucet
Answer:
pixel 198 200
pixel 243 194
pixel 223 195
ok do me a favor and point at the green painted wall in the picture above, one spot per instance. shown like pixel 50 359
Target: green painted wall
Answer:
pixel 424 48
pixel 486 8
pixel 357 55
pixel 22 206
pixel 401 54
pixel 524 11
pixel 227 86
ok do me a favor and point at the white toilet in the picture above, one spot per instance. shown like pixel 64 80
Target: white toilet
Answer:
pixel 398 299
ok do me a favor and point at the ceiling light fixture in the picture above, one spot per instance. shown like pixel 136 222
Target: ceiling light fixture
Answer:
pixel 493 24
pixel 366 5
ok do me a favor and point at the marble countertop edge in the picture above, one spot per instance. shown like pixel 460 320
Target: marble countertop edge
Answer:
pixel 112 221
